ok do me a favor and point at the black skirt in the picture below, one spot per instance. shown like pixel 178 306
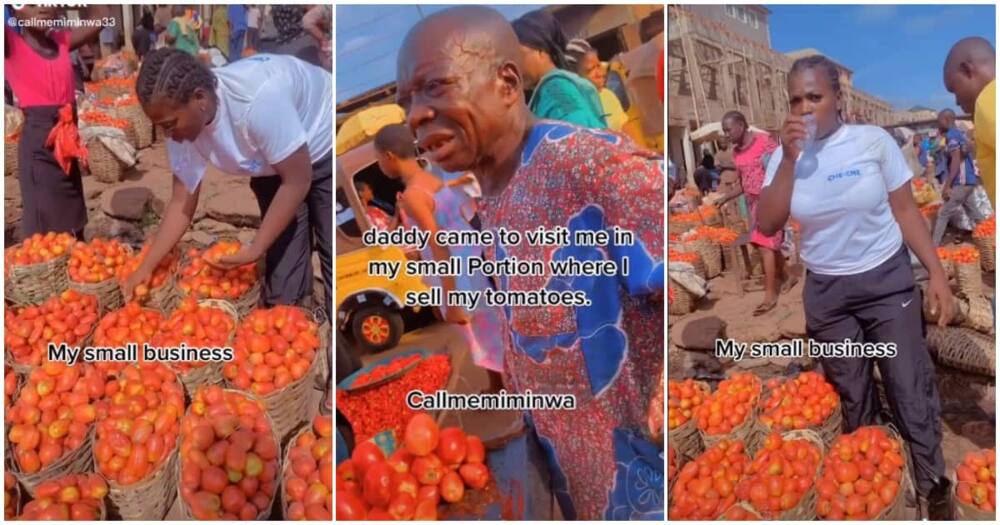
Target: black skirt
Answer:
pixel 53 201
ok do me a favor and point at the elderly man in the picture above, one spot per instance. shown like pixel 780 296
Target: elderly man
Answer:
pixel 598 338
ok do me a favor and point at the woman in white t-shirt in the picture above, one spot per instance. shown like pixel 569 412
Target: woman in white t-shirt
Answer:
pixel 265 117
pixel 850 193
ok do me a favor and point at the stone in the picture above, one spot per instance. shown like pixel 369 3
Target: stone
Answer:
pixel 127 203
pixel 199 238
pixel 93 188
pixel 215 227
pixel 236 206
pixel 110 228
pixel 697 332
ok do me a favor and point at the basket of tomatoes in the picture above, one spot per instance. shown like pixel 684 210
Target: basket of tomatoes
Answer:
pixel 806 401
pixel 975 485
pixel 968 274
pixel 198 324
pixel 984 237
pixel 35 269
pixel 705 487
pixel 683 400
pixel 199 277
pixel 158 291
pixel 731 412
pixel 779 482
pixel 69 318
pixel 93 267
pixel 307 473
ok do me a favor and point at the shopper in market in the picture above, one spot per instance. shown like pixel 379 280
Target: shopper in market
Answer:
pixel 970 73
pixel 581 56
pixel 38 69
pixel 850 193
pixel 751 151
pixel 460 80
pixel 556 92
pixel 268 118
pixel 430 204
pixel 960 179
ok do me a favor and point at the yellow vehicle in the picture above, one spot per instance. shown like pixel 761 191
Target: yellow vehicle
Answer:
pixel 369 307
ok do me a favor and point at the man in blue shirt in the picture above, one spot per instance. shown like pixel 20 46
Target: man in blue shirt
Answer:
pixel 959 181
pixel 237 30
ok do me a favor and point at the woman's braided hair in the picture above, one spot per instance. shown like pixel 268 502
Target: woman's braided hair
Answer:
pixel 822 63
pixel 173 74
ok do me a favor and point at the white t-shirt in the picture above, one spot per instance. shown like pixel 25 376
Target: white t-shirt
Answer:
pixel 269 106
pixel 842 206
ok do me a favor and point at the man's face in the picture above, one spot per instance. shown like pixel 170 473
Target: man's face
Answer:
pixel 945 121
pixel 959 80
pixel 181 121
pixel 387 164
pixel 453 99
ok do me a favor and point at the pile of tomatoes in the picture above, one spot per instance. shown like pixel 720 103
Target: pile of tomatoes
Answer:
pixel 730 405
pixel 100 118
pixel 40 247
pixel 691 258
pixel 96 261
pixel 803 402
pixel 160 275
pixel 229 457
pixel 74 497
pixel 129 324
pixel 861 475
pixel 780 475
pixel 987 228
pixel 382 371
pixel 200 279
pixel 706 487
pixel 273 348
pixel 432 465
pixel 977 480
pixel 138 422
pixel 196 326
pixel 64 318
pixel 683 399
pixel 53 413
pixel 964 254
pixel 308 479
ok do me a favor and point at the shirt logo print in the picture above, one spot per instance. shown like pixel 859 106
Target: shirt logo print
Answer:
pixel 844 174
pixel 252 166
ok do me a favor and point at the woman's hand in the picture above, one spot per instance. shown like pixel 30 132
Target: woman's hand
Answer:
pixel 246 255
pixel 793 131
pixel 941 300
pixel 140 276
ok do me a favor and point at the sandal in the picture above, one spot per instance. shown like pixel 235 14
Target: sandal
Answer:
pixel 763 308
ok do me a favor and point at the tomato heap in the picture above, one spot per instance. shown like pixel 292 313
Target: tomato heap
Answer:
pixel 308 479
pixel 803 402
pixel 706 486
pixel 684 397
pixel 728 407
pixel 273 348
pixel 40 247
pixel 138 422
pixel 129 324
pixel 64 318
pixel 987 228
pixel 961 254
pixel 432 465
pixel 229 458
pixel 691 258
pixel 96 261
pixel 738 513
pixel 383 408
pixel 76 497
pixel 977 480
pixel 100 118
pixel 9 496
pixel 718 235
pixel 196 326
pixel 780 475
pixel 200 279
pixel 861 475
pixel 160 275
pixel 53 413
pixel 383 371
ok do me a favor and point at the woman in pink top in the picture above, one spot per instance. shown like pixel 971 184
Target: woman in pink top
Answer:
pixel 37 67
pixel 751 152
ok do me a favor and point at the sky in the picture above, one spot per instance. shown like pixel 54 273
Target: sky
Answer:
pixel 368 39
pixel 912 42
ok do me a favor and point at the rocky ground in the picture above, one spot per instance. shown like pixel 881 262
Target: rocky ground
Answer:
pixel 968 400
pixel 131 210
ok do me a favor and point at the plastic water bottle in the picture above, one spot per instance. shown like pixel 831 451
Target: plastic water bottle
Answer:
pixel 807 157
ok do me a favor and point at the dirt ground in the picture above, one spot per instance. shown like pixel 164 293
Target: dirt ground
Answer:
pixel 968 400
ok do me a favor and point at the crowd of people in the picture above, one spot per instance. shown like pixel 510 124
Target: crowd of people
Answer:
pixel 849 188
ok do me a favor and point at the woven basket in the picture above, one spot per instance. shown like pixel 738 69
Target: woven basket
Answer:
pixel 949 268
pixel 751 433
pixel 969 278
pixel 15 494
pixel 805 509
pixel 980 316
pixel 711 254
pixel 285 466
pixel 10 158
pixel 34 283
pixel 987 252
pixel 104 165
pixel 966 512
pixel 186 513
pixel 827 431
pixel 698 264
pixel 745 506
pixel 681 226
pixel 209 373
pixel 287 407
pixel 141 125
pixel 78 461
pixel 243 304
pixel 686 439
pixel 897 510
pixel 162 297
pixel 149 499
pixel 683 301
pixel 108 291
pixel 963 349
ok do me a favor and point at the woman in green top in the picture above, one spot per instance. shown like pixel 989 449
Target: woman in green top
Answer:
pixel 557 93
pixel 583 57
pixel 181 32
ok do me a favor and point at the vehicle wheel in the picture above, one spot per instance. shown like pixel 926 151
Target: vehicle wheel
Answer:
pixel 377 328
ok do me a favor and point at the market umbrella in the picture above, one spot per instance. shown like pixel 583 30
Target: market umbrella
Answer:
pixel 364 124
